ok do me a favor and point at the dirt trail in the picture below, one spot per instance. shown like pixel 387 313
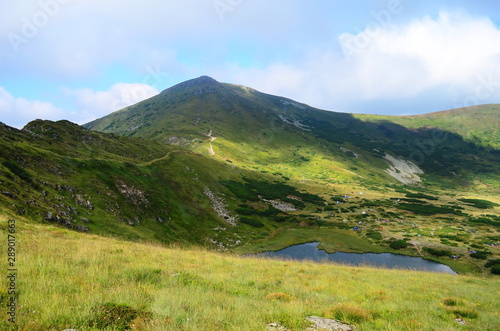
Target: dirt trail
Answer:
pixel 159 159
pixel 211 148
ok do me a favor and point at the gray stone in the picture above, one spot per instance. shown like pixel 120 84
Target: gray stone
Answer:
pixel 327 324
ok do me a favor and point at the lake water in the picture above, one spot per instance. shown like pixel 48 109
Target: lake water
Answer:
pixel 310 251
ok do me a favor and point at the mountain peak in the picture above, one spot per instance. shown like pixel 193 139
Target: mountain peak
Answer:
pixel 202 80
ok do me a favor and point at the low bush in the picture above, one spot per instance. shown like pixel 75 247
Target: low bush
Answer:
pixel 492 263
pixel 420 196
pixel 479 255
pixel 116 316
pixel 252 222
pixel 479 203
pixel 374 234
pixel 437 252
pixel 463 312
pixel 398 244
pixel 17 170
pixel 349 314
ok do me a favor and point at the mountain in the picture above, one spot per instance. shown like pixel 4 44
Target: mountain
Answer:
pixel 230 168
pixel 456 148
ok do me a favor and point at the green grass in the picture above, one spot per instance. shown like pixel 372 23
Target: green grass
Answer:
pixel 71 280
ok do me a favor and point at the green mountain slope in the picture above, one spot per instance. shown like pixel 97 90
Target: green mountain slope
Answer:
pixel 111 185
pixel 228 167
pixel 279 135
pixel 477 124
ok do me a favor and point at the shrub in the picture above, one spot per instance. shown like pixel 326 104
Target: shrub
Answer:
pixel 116 316
pixel 492 263
pixel 17 170
pixel 349 313
pixel 463 312
pixel 495 269
pixel 479 255
pixel 398 244
pixel 252 222
pixel 437 252
pixel 452 301
pixel 279 297
pixel 420 196
pixel 479 203
pixel 374 234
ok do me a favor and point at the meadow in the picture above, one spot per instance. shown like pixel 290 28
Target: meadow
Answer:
pixel 70 280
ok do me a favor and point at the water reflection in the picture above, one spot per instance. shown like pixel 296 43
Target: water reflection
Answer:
pixel 310 251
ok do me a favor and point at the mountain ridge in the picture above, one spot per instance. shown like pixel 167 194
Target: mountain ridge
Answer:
pixel 186 113
pixel 230 168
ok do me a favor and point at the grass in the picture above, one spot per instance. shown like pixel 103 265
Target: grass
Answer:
pixel 72 280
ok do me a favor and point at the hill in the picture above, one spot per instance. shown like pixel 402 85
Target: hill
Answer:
pixel 230 168
pixel 275 134
pixel 477 124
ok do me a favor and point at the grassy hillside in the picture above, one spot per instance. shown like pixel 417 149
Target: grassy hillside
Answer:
pixel 68 280
pixel 60 173
pixel 250 172
pixel 254 130
pixel 477 124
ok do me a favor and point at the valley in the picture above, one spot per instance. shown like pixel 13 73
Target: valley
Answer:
pixel 216 171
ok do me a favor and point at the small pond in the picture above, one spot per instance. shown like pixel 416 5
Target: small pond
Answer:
pixel 310 251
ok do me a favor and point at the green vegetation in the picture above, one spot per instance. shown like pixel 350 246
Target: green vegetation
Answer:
pixel 152 287
pixel 229 168
pixel 437 252
pixel 252 222
pixel 254 190
pixel 421 196
pixel 480 203
pixel 398 244
pixel 420 209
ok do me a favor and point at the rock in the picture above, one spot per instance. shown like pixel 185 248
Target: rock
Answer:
pixel 276 327
pixel 320 323
pixel 10 195
pixel 49 217
pixel 81 228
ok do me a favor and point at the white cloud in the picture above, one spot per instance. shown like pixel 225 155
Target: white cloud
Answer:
pixel 91 104
pixel 17 112
pixel 87 104
pixel 454 52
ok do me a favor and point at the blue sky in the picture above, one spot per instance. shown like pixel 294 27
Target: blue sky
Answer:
pixel 83 59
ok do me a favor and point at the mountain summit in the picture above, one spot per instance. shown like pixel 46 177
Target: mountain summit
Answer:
pixel 203 82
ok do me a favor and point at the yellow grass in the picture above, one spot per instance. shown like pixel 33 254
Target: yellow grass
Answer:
pixel 64 277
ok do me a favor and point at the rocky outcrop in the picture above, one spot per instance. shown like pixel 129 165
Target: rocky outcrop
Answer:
pixel 318 323
pixel 280 205
pixel 406 172
pixel 220 207
pixel 133 194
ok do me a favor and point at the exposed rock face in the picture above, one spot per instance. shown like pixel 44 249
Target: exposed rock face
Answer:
pixel 295 122
pixel 220 208
pixel 319 323
pixel 406 172
pixel 326 324
pixel 280 205
pixel 133 194
pixel 180 141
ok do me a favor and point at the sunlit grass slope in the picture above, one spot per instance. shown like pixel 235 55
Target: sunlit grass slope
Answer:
pixel 69 280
